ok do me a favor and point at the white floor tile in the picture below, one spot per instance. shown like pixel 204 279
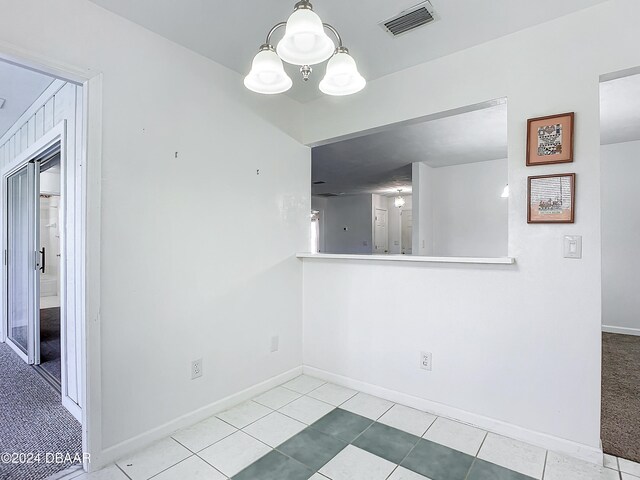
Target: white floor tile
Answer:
pixel 193 468
pixel 402 473
pixel 456 435
pixel 408 419
pixel 333 394
pixel 304 384
pixel 352 463
pixel 630 467
pixel 277 397
pixel 242 415
pixel 306 409
pixel 610 461
pixel 625 476
pixel 514 455
pixel 560 467
pixel 158 457
pixel 275 429
pixel 234 453
pixel 367 406
pixel 203 434
pixel 108 473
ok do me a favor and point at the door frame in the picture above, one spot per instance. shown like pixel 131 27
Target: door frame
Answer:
pixel 90 179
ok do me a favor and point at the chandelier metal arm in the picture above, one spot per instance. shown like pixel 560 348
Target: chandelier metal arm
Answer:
pixel 335 32
pixel 273 30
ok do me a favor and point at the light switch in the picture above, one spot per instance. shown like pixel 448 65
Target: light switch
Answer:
pixel 572 246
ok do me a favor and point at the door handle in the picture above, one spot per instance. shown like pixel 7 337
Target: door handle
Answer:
pixel 42 252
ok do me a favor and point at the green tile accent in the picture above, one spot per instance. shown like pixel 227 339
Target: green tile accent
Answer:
pixel 438 462
pixel 275 466
pixel 482 470
pixel 312 448
pixel 342 424
pixel 386 442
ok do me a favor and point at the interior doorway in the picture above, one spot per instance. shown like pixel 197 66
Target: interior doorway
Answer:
pixel 380 237
pixel 620 167
pixel 50 271
pixel 406 231
pixel 42 197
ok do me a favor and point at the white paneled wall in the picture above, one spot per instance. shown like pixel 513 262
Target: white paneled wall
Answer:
pixel 61 102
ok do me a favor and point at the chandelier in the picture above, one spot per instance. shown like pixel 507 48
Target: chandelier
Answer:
pixel 399 201
pixel 305 43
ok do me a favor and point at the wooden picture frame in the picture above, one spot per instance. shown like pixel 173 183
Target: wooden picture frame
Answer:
pixel 548 200
pixel 550 139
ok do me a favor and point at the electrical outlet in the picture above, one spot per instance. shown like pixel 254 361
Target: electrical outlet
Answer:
pixel 275 343
pixel 196 369
pixel 425 361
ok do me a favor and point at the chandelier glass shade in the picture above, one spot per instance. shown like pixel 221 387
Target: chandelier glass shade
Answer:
pixel 342 77
pixel 267 75
pixel 305 43
pixel 399 201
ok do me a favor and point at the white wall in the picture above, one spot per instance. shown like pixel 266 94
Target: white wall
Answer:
pixel 50 182
pixel 620 172
pixel 395 222
pixel 515 348
pixel 320 204
pixel 470 219
pixel 173 288
pixel 422 191
pixel 352 212
pixel 458 212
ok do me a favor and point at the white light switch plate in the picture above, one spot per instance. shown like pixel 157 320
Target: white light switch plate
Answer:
pixel 572 246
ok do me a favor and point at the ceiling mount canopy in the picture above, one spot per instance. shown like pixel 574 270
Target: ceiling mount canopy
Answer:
pixel 305 43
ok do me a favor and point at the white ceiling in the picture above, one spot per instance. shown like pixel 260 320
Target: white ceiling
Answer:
pixel 381 162
pixel 20 88
pixel 620 110
pixel 230 32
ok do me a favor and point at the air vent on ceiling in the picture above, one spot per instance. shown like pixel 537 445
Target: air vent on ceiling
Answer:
pixel 409 19
pixel 319 182
pixel 327 195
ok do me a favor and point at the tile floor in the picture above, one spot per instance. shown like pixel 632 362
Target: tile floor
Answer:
pixel 309 429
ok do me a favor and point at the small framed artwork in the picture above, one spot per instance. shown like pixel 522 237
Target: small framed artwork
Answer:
pixel 550 139
pixel 551 198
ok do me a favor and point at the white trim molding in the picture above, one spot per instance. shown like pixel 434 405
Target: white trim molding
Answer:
pixel 621 330
pixel 409 258
pixel 543 440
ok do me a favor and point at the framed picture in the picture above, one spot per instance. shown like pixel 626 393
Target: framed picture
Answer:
pixel 550 139
pixel 551 198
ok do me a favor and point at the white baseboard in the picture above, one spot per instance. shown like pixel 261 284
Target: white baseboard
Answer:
pixel 621 330
pixel 549 442
pixel 111 454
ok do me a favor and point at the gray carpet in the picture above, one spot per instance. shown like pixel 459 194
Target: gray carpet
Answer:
pixel 621 395
pixel 32 419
